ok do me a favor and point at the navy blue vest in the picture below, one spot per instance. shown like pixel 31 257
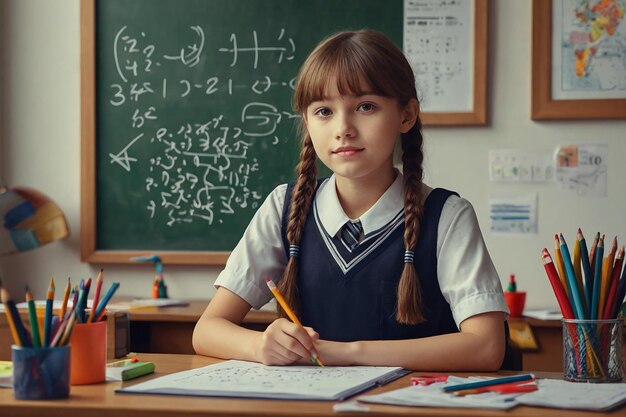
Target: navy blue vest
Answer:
pixel 359 302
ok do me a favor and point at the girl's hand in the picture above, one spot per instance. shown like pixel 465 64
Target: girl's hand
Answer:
pixel 285 343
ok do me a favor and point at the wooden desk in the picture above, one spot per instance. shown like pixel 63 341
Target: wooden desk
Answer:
pixel 549 336
pixel 170 329
pixel 100 400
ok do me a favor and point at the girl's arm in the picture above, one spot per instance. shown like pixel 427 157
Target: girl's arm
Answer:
pixel 218 333
pixel 478 347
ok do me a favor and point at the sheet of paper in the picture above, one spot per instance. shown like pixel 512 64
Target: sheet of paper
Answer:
pixel 438 39
pixel 549 314
pixel 247 379
pixel 583 169
pixel 517 165
pixel 551 393
pixel 433 396
pixel 513 214
pixel 575 395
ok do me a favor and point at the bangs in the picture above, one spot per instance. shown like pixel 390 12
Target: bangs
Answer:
pixel 350 70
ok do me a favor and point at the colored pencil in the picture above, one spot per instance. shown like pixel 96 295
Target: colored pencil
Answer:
pixel 511 388
pixel 584 257
pixel 558 260
pixel 105 300
pixel 607 273
pixel 67 332
pixel 82 294
pixel 290 313
pixel 612 292
pixel 59 332
pixel 74 296
pixel 96 297
pixel 621 292
pixel 32 316
pixel 557 286
pixel 16 339
pixel 83 306
pixel 18 331
pixel 592 251
pixel 574 297
pixel 66 296
pixel 595 296
pixel 488 382
pixel 579 275
pixel 47 320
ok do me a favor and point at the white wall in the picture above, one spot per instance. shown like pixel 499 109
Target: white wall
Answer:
pixel 41 124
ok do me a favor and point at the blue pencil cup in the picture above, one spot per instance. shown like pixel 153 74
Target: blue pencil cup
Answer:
pixel 41 373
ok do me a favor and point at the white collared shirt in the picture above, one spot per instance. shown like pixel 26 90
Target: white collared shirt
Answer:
pixel 467 278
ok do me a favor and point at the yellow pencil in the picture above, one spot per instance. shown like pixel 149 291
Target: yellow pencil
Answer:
pixel 66 296
pixel 607 272
pixel 290 313
pixel 558 260
pixel 5 299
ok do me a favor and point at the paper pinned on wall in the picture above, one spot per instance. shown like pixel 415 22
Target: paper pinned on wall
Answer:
pixel 437 44
pixel 513 214
pixel 582 169
pixel 516 165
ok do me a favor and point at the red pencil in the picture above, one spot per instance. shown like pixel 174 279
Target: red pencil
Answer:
pixel 96 297
pixel 612 292
pixel 557 287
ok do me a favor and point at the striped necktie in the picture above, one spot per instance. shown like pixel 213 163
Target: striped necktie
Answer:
pixel 351 234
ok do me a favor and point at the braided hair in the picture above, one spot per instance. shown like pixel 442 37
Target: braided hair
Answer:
pixel 351 59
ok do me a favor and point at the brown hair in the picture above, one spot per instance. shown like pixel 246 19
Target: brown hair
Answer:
pixel 350 58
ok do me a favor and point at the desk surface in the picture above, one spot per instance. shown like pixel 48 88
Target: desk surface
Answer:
pixel 101 400
pixel 191 313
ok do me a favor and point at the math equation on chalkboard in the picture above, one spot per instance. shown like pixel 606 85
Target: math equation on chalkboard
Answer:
pixel 200 165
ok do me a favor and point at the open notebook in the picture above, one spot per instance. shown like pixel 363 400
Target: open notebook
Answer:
pixel 252 380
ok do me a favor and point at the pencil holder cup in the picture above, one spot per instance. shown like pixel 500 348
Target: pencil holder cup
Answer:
pixel 592 350
pixel 41 373
pixel 515 301
pixel 89 353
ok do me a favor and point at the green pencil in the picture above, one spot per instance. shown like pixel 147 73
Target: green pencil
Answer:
pixel 32 316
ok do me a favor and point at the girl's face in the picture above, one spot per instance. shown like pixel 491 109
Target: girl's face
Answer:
pixel 354 134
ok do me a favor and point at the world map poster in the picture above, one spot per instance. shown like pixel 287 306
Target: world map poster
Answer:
pixel 589 49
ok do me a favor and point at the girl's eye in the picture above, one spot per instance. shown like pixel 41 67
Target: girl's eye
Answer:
pixel 323 112
pixel 367 107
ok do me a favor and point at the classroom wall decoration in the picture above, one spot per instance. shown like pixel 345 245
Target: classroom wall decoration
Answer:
pixel 578 59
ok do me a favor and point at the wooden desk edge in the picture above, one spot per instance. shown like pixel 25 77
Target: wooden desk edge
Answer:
pixel 101 400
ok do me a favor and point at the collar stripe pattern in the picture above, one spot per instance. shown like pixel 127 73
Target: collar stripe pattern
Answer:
pixel 377 238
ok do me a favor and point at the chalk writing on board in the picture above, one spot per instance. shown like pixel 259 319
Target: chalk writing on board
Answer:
pixel 197 168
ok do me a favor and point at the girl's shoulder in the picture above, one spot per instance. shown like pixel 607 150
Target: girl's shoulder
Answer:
pixel 453 207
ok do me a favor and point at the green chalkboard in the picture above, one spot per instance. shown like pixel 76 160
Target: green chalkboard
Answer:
pixel 193 124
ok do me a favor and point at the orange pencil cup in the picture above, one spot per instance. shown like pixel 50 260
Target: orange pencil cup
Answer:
pixel 89 353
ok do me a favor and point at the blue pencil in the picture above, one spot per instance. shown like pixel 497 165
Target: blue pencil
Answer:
pixel 80 309
pixel 597 280
pixel 47 320
pixel 489 382
pixel 579 312
pixel 103 303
